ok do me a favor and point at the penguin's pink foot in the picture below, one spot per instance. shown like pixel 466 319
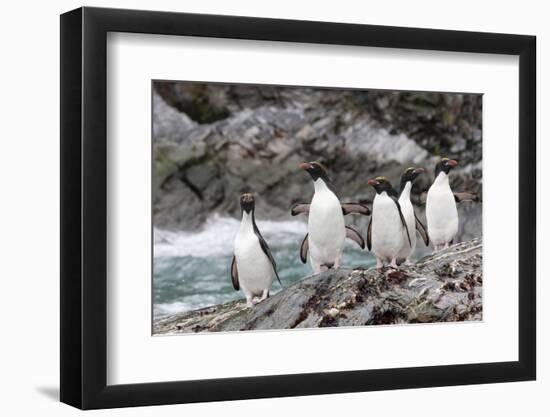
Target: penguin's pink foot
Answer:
pixel 316 268
pixel 393 263
pixel 265 295
pixel 249 302
pixel 379 263
pixel 408 262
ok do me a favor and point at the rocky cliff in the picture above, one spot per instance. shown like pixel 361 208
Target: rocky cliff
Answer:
pixel 446 286
pixel 212 142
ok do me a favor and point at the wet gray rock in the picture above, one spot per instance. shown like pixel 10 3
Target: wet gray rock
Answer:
pixel 168 123
pixel 443 287
pixel 443 124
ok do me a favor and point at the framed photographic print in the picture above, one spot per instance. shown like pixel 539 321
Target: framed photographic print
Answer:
pixel 257 208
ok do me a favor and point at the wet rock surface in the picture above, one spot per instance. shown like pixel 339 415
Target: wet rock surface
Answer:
pixel 213 142
pixel 443 287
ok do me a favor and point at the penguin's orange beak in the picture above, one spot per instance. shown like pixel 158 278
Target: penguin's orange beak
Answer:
pixel 452 162
pixel 304 166
pixel 419 170
pixel 372 182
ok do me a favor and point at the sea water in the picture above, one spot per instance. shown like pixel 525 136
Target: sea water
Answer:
pixel 191 270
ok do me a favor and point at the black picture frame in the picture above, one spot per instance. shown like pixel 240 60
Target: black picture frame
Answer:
pixel 84 207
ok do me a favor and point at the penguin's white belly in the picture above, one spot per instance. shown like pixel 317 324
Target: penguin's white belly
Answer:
pixel 408 214
pixel 254 268
pixel 441 215
pixel 387 230
pixel 326 228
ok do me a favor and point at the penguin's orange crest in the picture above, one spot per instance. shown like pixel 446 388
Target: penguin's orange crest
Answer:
pixel 318 163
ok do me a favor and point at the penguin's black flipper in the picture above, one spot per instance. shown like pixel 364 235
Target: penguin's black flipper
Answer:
pixel 265 249
pixel 369 235
pixel 466 197
pixel 355 236
pixel 299 208
pixel 304 248
pixel 357 208
pixel 234 274
pixel 403 222
pixel 422 230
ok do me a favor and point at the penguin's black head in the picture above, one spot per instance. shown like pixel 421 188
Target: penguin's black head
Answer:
pixel 381 184
pixel 247 202
pixel 445 165
pixel 410 174
pixel 315 170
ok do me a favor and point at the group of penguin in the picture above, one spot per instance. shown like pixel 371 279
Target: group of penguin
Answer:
pixel 391 233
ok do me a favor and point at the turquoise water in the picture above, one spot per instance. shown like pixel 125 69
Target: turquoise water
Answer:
pixel 191 270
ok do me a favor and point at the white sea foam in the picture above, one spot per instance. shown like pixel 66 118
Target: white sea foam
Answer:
pixel 218 234
pixel 191 303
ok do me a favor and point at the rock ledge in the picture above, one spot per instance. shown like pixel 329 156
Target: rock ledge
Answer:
pixel 443 287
